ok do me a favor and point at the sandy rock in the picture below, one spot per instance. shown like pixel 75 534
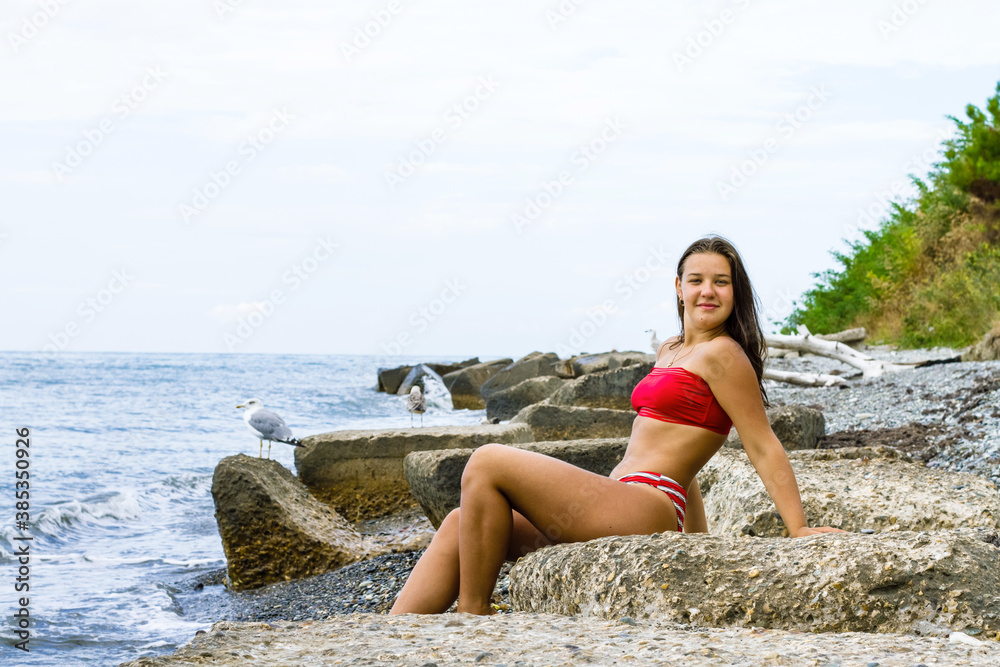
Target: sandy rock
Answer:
pixel 506 403
pixel 435 477
pixel 930 583
pixel 796 426
pixel 464 384
pixel 605 389
pixel 272 529
pixel 848 488
pixel 565 422
pixel 531 365
pixel 988 349
pixel 360 473
pixel 550 639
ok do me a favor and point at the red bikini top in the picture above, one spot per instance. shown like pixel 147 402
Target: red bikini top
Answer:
pixel 679 396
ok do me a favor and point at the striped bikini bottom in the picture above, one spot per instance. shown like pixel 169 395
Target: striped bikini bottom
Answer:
pixel 676 492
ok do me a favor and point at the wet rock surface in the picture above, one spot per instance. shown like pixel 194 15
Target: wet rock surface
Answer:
pixel 272 529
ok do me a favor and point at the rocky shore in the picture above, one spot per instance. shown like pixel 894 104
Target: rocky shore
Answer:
pixel 946 416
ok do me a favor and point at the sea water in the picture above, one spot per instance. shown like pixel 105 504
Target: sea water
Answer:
pixel 122 451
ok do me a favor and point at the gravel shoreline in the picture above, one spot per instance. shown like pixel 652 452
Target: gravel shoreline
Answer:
pixel 947 414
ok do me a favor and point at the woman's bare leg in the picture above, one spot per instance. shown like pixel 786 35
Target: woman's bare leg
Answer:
pixel 566 503
pixel 432 585
pixel 695 521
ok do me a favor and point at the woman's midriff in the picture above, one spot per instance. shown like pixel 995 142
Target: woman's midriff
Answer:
pixel 676 450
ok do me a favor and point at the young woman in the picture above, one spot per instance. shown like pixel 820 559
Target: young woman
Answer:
pixel 705 380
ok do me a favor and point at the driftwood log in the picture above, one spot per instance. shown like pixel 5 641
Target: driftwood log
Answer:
pixel 804 379
pixel 806 342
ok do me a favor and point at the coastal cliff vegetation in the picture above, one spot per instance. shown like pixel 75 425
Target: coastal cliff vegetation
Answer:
pixel 930 273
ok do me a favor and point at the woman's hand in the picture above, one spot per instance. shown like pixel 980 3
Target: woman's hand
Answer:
pixel 806 530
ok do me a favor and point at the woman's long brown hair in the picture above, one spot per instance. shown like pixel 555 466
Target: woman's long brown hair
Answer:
pixel 743 323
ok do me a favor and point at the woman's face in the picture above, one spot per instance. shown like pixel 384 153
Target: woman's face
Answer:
pixel 706 287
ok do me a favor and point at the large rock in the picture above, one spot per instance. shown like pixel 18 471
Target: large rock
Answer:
pixel 583 364
pixel 988 349
pixel 464 384
pixel 272 529
pixel 505 403
pixel 892 582
pixel 609 361
pixel 605 389
pixel 389 379
pixel 850 488
pixel 564 422
pixel 443 369
pixel 435 477
pixel 531 365
pixel 416 378
pixel 360 473
pixel 796 427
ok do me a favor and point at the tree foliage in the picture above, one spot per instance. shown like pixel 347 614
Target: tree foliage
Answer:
pixel 930 273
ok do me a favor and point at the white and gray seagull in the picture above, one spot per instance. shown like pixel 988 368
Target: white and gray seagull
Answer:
pixel 266 425
pixel 416 403
pixel 654 342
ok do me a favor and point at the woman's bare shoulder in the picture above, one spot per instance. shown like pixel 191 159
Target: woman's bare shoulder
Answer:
pixel 724 357
pixel 667 344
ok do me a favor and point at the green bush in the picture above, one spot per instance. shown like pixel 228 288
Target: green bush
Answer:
pixel 972 159
pixel 930 273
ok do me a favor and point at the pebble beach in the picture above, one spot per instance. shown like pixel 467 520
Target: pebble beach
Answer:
pixel 946 414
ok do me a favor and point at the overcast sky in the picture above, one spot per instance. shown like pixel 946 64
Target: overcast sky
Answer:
pixel 442 177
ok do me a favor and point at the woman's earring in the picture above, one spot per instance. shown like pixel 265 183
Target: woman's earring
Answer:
pixel 682 302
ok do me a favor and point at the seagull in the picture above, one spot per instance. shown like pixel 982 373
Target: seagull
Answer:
pixel 416 402
pixel 654 342
pixel 266 425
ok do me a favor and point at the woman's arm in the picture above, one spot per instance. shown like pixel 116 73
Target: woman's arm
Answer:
pixel 734 383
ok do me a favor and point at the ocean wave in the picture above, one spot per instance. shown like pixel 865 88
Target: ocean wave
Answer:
pixel 176 489
pixel 436 394
pixel 101 509
pixel 146 560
